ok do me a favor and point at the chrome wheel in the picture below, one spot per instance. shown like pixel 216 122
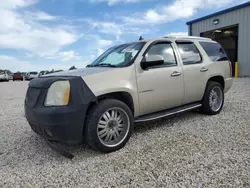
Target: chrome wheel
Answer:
pixel 216 99
pixel 113 127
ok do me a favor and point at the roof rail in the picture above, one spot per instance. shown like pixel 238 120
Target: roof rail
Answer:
pixel 187 37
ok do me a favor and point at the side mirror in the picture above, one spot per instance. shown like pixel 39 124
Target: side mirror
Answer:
pixel 151 60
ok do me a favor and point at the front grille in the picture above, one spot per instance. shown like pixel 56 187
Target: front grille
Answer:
pixel 32 96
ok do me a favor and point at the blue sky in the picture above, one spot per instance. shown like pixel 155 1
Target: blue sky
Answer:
pixel 56 34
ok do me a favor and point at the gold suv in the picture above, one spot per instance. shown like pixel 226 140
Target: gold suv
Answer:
pixel 133 82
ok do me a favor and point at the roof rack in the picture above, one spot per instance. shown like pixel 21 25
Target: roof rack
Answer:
pixel 187 37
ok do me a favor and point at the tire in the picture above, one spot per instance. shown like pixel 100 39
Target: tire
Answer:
pixel 210 107
pixel 96 115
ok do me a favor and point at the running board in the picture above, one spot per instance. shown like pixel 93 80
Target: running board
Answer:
pixel 166 113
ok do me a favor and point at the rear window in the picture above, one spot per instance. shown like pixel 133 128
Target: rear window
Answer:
pixel 214 51
pixel 189 53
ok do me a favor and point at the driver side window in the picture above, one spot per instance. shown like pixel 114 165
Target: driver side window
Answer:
pixel 166 51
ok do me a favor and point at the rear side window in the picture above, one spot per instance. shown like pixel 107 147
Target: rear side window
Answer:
pixel 189 53
pixel 214 51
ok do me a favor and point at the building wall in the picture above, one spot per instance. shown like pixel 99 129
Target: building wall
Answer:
pixel 241 17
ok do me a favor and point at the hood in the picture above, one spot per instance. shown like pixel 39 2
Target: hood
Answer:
pixel 80 72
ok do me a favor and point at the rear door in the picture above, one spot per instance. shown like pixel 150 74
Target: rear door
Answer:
pixel 195 71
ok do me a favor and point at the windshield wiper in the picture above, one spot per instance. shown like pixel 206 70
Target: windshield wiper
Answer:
pixel 90 65
pixel 106 65
pixel 102 65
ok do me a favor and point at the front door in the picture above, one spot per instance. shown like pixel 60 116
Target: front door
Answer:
pixel 160 87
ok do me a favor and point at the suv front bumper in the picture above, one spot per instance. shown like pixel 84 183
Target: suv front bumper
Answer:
pixel 59 124
pixel 63 125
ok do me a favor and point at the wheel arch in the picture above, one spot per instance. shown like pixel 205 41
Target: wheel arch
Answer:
pixel 219 79
pixel 123 96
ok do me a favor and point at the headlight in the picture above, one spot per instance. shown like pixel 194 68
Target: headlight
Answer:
pixel 58 94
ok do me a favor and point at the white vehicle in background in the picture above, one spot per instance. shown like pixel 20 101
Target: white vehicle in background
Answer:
pixel 11 76
pixel 31 75
pixel 4 76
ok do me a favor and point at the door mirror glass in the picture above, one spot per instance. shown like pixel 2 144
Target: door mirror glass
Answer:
pixel 151 60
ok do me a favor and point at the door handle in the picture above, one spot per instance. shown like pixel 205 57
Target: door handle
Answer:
pixel 175 73
pixel 204 69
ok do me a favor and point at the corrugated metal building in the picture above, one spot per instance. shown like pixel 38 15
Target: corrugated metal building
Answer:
pixel 231 28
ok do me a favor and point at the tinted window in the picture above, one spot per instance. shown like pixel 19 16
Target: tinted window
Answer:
pixel 214 51
pixel 189 53
pixel 166 51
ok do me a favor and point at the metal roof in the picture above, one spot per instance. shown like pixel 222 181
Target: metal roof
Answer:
pixel 220 12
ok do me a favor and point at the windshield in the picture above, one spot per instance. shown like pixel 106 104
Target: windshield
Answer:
pixel 119 56
pixel 34 73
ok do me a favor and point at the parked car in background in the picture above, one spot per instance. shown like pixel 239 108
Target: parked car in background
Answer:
pixel 4 76
pixel 17 76
pixel 31 75
pixel 11 76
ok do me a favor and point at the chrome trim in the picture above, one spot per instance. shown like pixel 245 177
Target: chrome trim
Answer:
pixel 169 114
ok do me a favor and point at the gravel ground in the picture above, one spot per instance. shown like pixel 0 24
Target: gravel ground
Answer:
pixel 187 150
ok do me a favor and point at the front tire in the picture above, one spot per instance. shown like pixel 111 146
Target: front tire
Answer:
pixel 109 125
pixel 213 99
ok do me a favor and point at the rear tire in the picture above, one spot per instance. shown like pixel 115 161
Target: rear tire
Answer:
pixel 109 125
pixel 213 100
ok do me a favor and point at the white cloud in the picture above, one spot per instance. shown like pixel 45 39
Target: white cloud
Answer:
pixel 12 4
pixel 177 10
pixel 65 56
pixel 19 31
pixel 14 64
pixel 117 29
pixel 69 55
pixel 40 16
pixel 104 43
pixel 110 28
pixel 114 2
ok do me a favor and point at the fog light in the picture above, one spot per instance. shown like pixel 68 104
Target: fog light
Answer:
pixel 48 132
